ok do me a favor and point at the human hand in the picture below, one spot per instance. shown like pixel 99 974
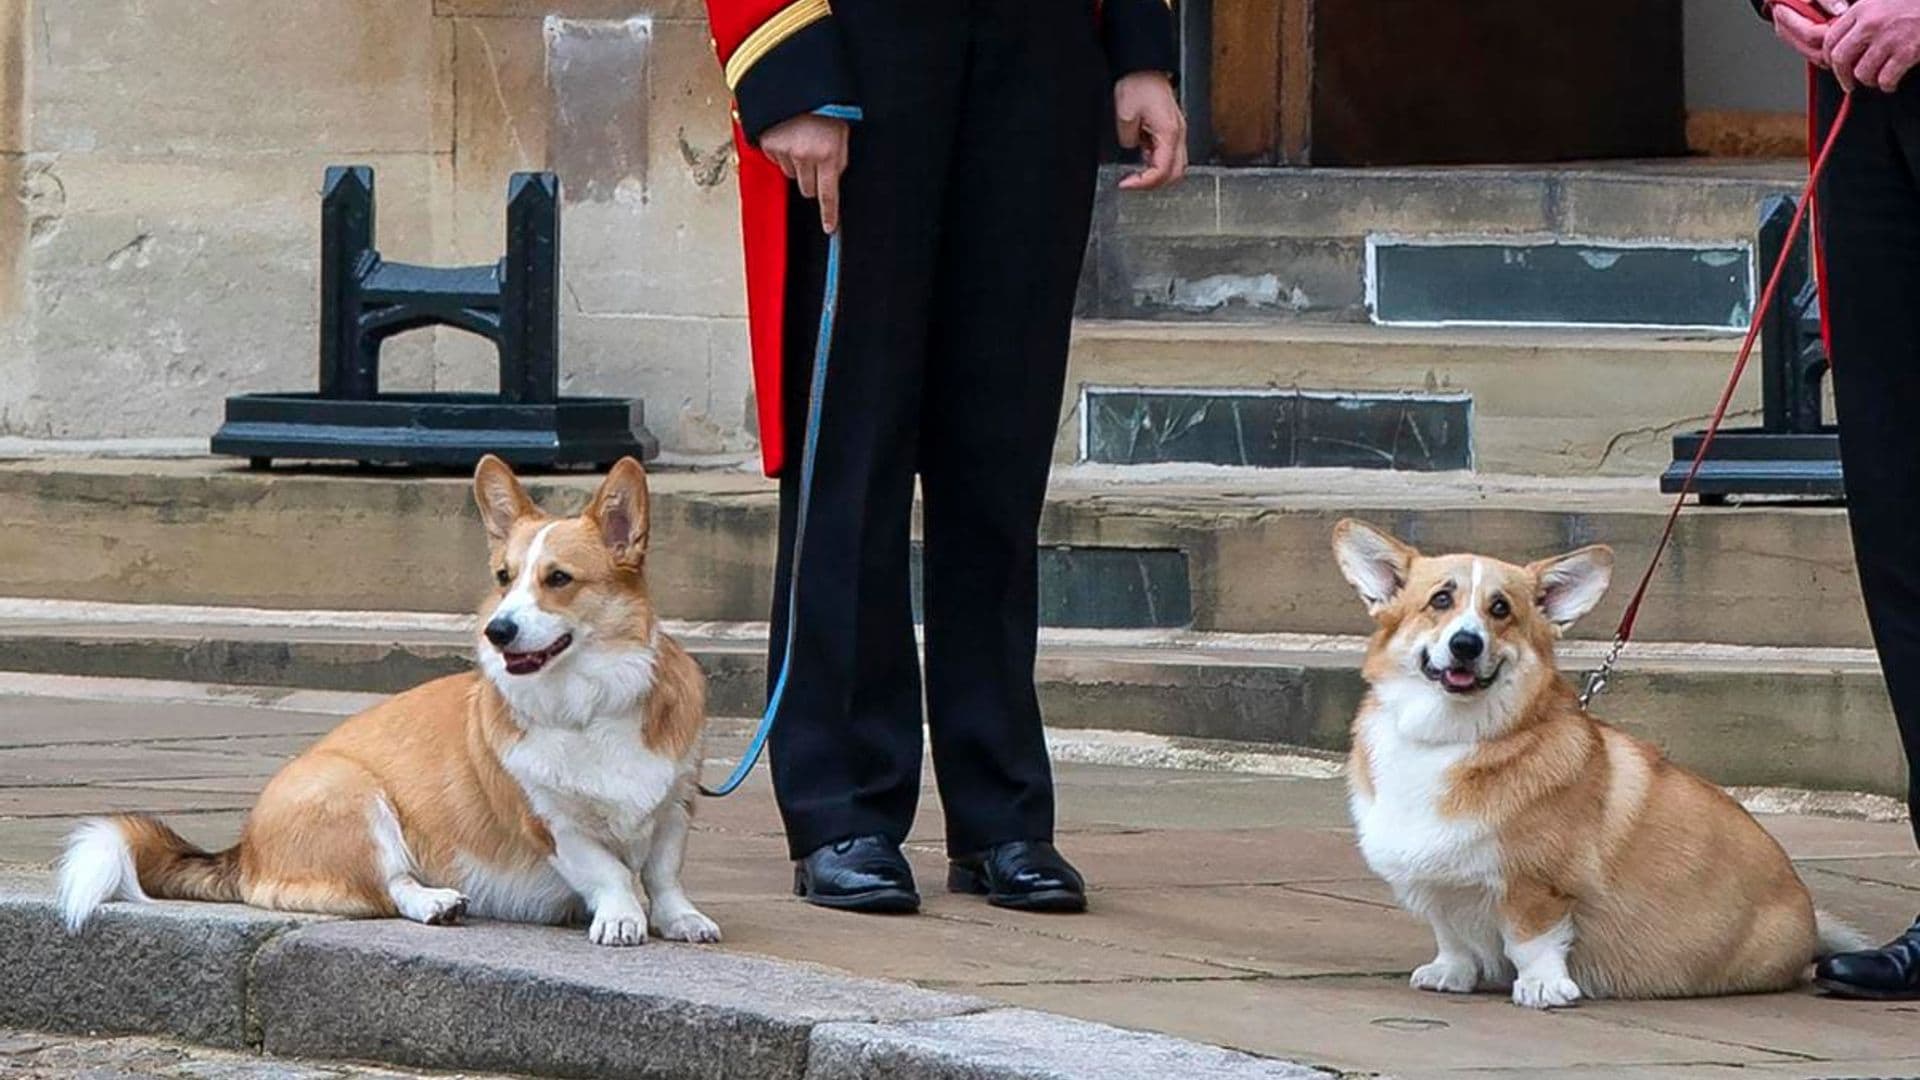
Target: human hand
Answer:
pixel 1803 35
pixel 1150 117
pixel 1875 43
pixel 812 151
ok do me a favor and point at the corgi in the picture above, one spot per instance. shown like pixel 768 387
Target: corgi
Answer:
pixel 537 789
pixel 1552 854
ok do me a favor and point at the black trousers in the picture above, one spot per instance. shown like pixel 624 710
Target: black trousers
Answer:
pixel 1870 230
pixel 966 206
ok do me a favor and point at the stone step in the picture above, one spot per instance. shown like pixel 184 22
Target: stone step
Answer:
pixel 1537 401
pixel 1263 245
pixel 1253 544
pixel 1743 715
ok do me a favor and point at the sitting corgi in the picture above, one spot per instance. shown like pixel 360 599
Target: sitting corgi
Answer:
pixel 534 790
pixel 1550 852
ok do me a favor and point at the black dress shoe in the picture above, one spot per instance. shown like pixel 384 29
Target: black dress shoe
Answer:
pixel 1026 875
pixel 866 873
pixel 1889 973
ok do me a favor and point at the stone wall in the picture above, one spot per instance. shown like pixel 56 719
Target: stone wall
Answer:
pixel 167 156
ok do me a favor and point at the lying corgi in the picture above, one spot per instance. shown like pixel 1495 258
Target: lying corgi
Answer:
pixel 1550 852
pixel 534 790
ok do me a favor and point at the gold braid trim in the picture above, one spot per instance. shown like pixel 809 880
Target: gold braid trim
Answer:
pixel 773 33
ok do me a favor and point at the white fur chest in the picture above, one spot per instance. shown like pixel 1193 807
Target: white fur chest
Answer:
pixel 1403 833
pixel 599 778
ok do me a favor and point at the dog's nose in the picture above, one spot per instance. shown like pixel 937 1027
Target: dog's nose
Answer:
pixel 502 631
pixel 1466 645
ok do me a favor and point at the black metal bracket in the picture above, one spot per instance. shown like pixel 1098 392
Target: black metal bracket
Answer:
pixel 1794 451
pixel 365 300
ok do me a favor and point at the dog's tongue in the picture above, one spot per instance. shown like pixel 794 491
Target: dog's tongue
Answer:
pixel 1459 679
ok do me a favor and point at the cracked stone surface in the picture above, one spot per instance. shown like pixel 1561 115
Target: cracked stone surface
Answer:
pixel 1227 908
pixel 27 1055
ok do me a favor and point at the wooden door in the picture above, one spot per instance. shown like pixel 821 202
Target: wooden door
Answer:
pixel 1394 82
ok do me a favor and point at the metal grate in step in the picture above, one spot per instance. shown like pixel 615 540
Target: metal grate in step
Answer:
pixel 1101 588
pixel 1479 281
pixel 1276 429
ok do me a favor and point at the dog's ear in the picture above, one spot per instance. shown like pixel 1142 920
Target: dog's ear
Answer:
pixel 1569 586
pixel 501 499
pixel 1374 563
pixel 619 512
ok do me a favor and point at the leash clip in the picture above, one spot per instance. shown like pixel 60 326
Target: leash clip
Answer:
pixel 1598 678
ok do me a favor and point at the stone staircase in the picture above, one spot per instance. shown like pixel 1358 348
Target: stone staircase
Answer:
pixel 1546 322
pixel 1205 453
pixel 1757 672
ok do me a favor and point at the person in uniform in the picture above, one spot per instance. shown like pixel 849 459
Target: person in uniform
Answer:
pixel 917 182
pixel 1868 217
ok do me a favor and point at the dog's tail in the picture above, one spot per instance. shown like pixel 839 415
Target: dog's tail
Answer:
pixel 136 857
pixel 1837 936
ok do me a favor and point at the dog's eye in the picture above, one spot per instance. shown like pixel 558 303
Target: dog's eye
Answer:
pixel 1499 609
pixel 558 579
pixel 1441 601
pixel 502 576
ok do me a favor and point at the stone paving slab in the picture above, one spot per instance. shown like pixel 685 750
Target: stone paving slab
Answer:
pixel 1273 930
pixel 27 1055
pixel 1829 838
pixel 1901 1069
pixel 1900 870
pixel 1205 800
pixel 36 802
pixel 955 946
pixel 247 786
pixel 1875 906
pixel 1819 1028
pixel 1160 857
pixel 41 721
pixel 1376 1024
pixel 269 747
pixel 53 765
pixel 35 841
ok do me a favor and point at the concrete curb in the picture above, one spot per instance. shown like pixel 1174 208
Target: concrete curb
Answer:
pixel 169 969
pixel 534 1000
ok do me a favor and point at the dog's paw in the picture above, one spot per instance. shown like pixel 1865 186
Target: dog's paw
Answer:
pixel 1535 992
pixel 435 907
pixel 1446 976
pixel 618 926
pixel 688 925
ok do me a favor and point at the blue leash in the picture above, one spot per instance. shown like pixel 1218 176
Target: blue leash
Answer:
pixel 816 394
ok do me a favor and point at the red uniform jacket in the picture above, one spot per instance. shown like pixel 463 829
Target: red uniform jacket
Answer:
pixel 784 58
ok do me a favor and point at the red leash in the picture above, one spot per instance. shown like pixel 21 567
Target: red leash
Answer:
pixel 1597 681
